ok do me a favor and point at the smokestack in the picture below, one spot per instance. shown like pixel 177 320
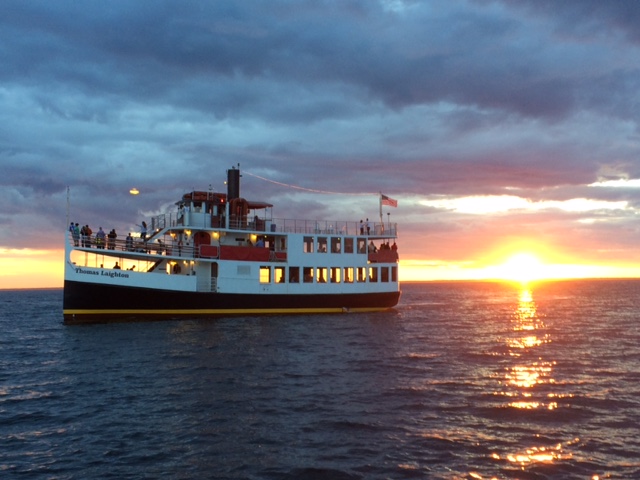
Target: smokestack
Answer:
pixel 233 183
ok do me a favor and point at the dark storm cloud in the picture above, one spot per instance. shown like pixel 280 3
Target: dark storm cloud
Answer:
pixel 180 50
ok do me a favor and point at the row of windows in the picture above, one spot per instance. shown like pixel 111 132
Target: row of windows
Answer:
pixel 334 245
pixel 269 274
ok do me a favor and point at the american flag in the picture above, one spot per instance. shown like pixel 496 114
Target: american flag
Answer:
pixel 388 201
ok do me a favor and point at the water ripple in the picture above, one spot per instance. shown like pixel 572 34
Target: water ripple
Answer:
pixel 462 380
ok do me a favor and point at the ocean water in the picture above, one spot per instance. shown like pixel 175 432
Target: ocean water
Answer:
pixel 460 381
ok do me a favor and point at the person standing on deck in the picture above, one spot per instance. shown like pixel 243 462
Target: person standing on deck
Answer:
pixel 75 233
pixel 112 239
pixel 100 238
pixel 143 231
pixel 129 243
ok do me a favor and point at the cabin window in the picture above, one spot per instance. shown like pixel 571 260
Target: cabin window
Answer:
pixel 335 275
pixel 322 275
pixel 362 245
pixel 265 274
pixel 294 274
pixel 307 274
pixel 348 245
pixel 373 274
pixel 362 276
pixel 394 274
pixel 348 275
pixel 336 244
pixel 322 244
pixel 308 244
pixel 384 274
pixel 279 274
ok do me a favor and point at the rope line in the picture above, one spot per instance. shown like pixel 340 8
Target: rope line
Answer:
pixel 325 192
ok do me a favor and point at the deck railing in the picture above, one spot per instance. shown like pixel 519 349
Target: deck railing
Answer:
pixel 136 245
pixel 275 225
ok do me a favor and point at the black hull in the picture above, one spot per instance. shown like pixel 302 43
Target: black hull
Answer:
pixel 95 303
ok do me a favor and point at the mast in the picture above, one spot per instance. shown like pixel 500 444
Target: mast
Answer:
pixel 67 224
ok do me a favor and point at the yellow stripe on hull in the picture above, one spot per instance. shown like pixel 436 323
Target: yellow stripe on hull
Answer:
pixel 222 311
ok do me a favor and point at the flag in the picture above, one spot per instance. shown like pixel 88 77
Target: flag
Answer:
pixel 388 201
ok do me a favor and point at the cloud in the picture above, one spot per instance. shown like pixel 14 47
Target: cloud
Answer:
pixel 473 99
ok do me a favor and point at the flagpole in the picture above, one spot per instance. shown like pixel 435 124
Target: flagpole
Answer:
pixel 380 201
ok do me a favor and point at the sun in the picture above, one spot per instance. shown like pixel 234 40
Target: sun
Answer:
pixel 522 267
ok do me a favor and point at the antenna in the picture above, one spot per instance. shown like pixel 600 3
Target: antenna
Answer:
pixel 67 225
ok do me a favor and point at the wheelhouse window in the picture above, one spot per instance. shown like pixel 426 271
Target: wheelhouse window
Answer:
pixel 335 274
pixel 307 274
pixel 384 274
pixel 373 274
pixel 308 244
pixel 265 274
pixel 394 274
pixel 294 274
pixel 362 245
pixel 336 244
pixel 348 245
pixel 322 275
pixel 322 244
pixel 279 274
pixel 348 275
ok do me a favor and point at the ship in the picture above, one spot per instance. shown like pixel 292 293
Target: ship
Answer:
pixel 218 254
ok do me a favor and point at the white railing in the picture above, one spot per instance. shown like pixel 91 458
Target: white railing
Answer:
pixel 281 225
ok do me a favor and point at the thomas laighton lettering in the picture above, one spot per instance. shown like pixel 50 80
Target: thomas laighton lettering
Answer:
pixel 102 273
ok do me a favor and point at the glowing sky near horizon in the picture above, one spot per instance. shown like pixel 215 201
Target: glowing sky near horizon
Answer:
pixel 501 127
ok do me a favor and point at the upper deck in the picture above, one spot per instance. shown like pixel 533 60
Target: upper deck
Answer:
pixel 264 223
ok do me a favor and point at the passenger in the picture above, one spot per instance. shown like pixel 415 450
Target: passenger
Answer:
pixel 394 247
pixel 361 228
pixel 260 242
pixel 372 247
pixel 129 243
pixel 368 227
pixel 76 235
pixel 112 239
pixel 117 266
pixel 143 231
pixel 85 236
pixel 100 238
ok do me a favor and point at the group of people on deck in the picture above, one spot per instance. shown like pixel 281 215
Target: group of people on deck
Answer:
pixel 83 236
pixel 365 226
pixel 383 246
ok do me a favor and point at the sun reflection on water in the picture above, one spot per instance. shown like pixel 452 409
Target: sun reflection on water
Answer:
pixel 525 381
pixel 528 335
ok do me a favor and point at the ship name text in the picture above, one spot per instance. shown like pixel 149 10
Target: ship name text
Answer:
pixel 102 273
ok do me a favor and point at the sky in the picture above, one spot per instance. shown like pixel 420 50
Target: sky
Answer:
pixel 501 127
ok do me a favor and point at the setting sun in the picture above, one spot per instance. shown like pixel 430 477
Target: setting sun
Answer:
pixel 521 267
